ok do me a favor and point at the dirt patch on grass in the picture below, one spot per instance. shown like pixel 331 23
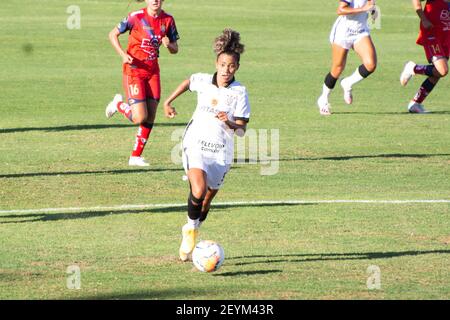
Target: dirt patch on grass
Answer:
pixel 445 240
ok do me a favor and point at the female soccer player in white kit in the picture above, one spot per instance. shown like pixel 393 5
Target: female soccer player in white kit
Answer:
pixel 208 144
pixel 349 31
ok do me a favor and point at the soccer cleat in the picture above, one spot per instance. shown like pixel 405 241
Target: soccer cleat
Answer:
pixel 138 161
pixel 111 108
pixel 407 73
pixel 415 107
pixel 348 96
pixel 190 235
pixel 324 106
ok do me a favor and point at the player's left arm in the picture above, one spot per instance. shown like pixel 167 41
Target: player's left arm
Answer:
pixel 171 46
pixel 238 124
pixel 170 39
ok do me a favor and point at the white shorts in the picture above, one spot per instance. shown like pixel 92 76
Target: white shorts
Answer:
pixel 215 171
pixel 344 36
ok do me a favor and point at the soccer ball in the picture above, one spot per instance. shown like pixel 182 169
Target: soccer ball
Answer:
pixel 208 256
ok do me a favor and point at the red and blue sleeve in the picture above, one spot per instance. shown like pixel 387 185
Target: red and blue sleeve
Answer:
pixel 126 24
pixel 172 32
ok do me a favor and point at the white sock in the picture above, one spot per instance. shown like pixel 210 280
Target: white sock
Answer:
pixel 193 223
pixel 353 79
pixel 326 91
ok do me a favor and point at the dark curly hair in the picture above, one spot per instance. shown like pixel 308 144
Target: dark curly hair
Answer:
pixel 229 42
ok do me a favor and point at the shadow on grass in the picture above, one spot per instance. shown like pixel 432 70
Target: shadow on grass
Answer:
pixel 311 257
pixel 44 217
pixel 405 113
pixel 372 156
pixel 246 273
pixel 72 173
pixel 178 293
pixel 86 127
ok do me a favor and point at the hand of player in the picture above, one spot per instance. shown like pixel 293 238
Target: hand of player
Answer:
pixel 374 14
pixel 169 111
pixel 369 6
pixel 126 58
pixel 222 116
pixel 165 41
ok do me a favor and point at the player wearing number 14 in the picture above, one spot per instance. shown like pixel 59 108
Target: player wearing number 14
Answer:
pixel 148 28
pixel 434 36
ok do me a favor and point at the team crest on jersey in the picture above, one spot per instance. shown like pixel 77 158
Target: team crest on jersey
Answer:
pixel 214 102
pixel 229 100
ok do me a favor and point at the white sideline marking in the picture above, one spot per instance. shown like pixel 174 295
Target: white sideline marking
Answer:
pixel 232 203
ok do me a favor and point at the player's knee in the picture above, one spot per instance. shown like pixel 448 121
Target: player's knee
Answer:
pixel 443 72
pixel 337 70
pixel 139 118
pixel 371 66
pixel 198 192
pixel 206 203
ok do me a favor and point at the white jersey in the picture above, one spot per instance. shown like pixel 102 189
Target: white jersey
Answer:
pixel 206 135
pixel 348 29
pixel 356 22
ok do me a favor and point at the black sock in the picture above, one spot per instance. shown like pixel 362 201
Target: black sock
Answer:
pixel 330 81
pixel 429 70
pixel 363 71
pixel 194 207
pixel 203 215
pixel 428 85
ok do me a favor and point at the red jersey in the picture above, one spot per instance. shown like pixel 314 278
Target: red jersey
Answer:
pixel 145 37
pixel 438 13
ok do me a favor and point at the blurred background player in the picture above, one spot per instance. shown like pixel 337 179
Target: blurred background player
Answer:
pixel 350 31
pixel 434 37
pixel 208 144
pixel 148 28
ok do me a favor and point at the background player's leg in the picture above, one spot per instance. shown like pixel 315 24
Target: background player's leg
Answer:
pixel 366 51
pixel 339 59
pixel 140 115
pixel 440 70
pixel 145 127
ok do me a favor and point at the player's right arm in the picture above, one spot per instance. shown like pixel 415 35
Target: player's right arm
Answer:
pixel 114 34
pixel 419 10
pixel 114 39
pixel 170 111
pixel 345 8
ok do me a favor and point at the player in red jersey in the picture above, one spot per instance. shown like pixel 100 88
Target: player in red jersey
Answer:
pixel 434 36
pixel 148 28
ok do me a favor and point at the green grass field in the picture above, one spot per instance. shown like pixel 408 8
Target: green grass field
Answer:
pixel 57 150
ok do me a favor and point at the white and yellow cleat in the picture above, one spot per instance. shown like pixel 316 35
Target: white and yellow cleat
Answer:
pixel 190 235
